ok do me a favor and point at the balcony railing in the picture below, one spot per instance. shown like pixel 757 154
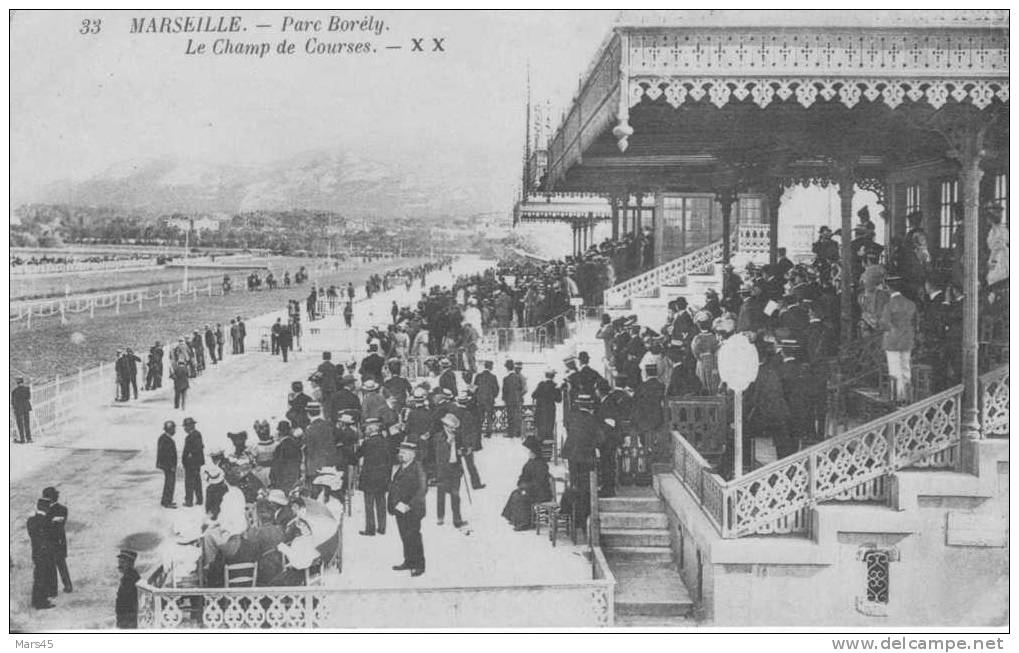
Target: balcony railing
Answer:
pixel 850 466
pixel 994 398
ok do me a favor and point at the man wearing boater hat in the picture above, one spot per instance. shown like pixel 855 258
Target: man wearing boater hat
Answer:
pixel 407 504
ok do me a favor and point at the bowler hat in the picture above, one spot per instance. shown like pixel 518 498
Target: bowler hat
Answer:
pixel 127 554
pixel 409 446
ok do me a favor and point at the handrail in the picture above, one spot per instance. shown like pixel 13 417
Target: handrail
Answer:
pixel 689 263
pixel 879 447
pixel 593 519
pixel 749 238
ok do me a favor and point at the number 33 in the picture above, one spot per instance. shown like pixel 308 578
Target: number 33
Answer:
pixel 91 26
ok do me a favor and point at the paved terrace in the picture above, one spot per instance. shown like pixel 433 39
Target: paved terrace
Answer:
pixel 104 466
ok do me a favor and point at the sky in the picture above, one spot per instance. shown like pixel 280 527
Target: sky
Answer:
pixel 92 104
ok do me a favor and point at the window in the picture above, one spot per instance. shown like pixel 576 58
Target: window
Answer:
pixel 686 225
pixel 912 198
pixel 750 210
pixel 1001 196
pixel 947 199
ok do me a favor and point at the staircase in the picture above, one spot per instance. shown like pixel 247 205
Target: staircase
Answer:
pixel 688 275
pixel 635 541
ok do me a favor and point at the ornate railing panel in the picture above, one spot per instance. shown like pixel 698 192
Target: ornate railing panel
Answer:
pixel 698 476
pixel 586 602
pixel 703 422
pixel 994 402
pixel 911 435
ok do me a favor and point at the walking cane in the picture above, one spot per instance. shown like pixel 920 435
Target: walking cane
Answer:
pixel 467 484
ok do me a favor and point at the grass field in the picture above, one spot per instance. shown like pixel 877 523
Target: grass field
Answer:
pixel 47 350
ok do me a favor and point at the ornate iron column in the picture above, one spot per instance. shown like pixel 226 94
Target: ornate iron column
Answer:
pixel 843 170
pixel 965 137
pixel 726 198
pixel 639 214
pixel 614 202
pixel 774 202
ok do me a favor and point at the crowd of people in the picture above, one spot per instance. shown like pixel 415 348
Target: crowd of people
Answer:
pixel 791 313
pixel 188 359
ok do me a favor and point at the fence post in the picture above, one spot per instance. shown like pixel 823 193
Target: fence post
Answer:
pixel 57 400
pixel 160 298
pixel 210 289
pixel 29 316
pixel 117 301
pixel 141 298
pixel 63 317
pixel 178 295
pixel 92 308
pixel 194 292
pixel 890 439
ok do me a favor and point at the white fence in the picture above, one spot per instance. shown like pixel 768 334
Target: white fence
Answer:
pixel 82 266
pixel 126 300
pixel 57 401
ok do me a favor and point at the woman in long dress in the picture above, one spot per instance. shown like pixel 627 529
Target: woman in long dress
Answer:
pixel 532 487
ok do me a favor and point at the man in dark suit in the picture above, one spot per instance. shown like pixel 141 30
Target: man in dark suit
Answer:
pixel 44 573
pixel 512 397
pixel 57 515
pixel 127 592
pixel 469 435
pixel 448 447
pixel 328 382
pixel 448 377
pixel 407 504
pixel 546 395
pixel 210 343
pixel 274 336
pixel 586 379
pixel 21 403
pixel 179 375
pixel 648 416
pixel 285 341
pixel 614 411
pixel 166 461
pixel 192 458
pixel 783 264
pixel 371 365
pixel 242 333
pixel 320 444
pixel 487 391
pixel 683 326
pixel 154 372
pixel 583 435
pixel 374 476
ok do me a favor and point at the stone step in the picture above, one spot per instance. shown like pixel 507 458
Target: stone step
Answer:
pixel 612 537
pixel 663 595
pixel 644 622
pixel 643 555
pixel 621 520
pixel 631 504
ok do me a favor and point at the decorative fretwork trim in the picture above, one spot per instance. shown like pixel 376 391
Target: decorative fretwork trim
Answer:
pixel 849 91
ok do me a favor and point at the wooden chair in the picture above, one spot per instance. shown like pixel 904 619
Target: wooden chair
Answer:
pixel 541 513
pixel 562 518
pixel 241 574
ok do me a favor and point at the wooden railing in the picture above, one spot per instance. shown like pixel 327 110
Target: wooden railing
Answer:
pixel 994 402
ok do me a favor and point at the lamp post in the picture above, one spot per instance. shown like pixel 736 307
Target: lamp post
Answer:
pixel 737 368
